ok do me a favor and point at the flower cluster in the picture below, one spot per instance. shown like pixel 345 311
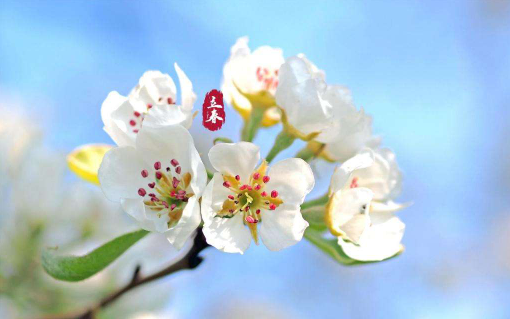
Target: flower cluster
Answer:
pixel 158 176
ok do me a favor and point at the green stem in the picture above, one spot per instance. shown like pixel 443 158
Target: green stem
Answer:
pixel 283 141
pixel 315 202
pixel 305 154
pixel 251 126
pixel 210 174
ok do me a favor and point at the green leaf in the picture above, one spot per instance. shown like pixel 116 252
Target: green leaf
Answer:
pixel 76 268
pixel 315 217
pixel 331 247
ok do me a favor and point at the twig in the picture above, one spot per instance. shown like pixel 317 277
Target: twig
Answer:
pixel 190 260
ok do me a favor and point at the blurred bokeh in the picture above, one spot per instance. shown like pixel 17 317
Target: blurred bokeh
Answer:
pixel 435 75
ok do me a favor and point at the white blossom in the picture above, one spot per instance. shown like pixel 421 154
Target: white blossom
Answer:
pixel 301 94
pixel 242 196
pixel 158 181
pixel 361 207
pixel 248 72
pixel 151 103
pixel 349 130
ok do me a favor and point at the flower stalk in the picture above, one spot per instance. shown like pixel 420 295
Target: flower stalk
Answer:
pixel 252 125
pixel 283 141
pixel 323 200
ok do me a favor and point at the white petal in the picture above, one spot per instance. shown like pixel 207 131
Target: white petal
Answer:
pixel 348 211
pixel 165 143
pixel 265 58
pixel 242 67
pixel 235 158
pixel 299 94
pixel 383 177
pixel 345 117
pixel 380 241
pixel 188 97
pixel 226 234
pixel 110 104
pixel 120 173
pixel 282 227
pixel 352 139
pixel 218 194
pixel 342 173
pixel 389 206
pixel 146 224
pixel 155 87
pixel 116 111
pixel 165 114
pixel 231 94
pixel 229 235
pixel 293 179
pixel 188 223
pixel 395 176
pixel 134 207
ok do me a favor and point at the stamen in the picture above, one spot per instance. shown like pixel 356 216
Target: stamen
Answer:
pixel 149 106
pixel 157 165
pixel 238 178
pixel 135 131
pixel 257 187
pixel 174 162
pixel 132 123
pixel 145 173
pixel 170 101
pixel 247 208
pixel 159 175
pixel 258 211
pixel 274 194
pixel 226 184
pixel 164 204
pixel 173 207
pixel 142 192
pixel 175 182
pixel 168 169
pixel 272 206
pixel 137 114
pixel 265 179
pixel 178 169
pixel 231 197
pixel 354 182
pixel 151 185
pixel 263 194
pixel 152 195
pixel 256 176
pixel 250 220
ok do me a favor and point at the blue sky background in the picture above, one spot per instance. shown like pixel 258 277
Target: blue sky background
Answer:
pixel 435 75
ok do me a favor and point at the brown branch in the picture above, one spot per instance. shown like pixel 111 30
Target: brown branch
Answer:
pixel 190 260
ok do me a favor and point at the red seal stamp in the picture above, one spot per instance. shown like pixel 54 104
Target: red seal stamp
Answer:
pixel 213 111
